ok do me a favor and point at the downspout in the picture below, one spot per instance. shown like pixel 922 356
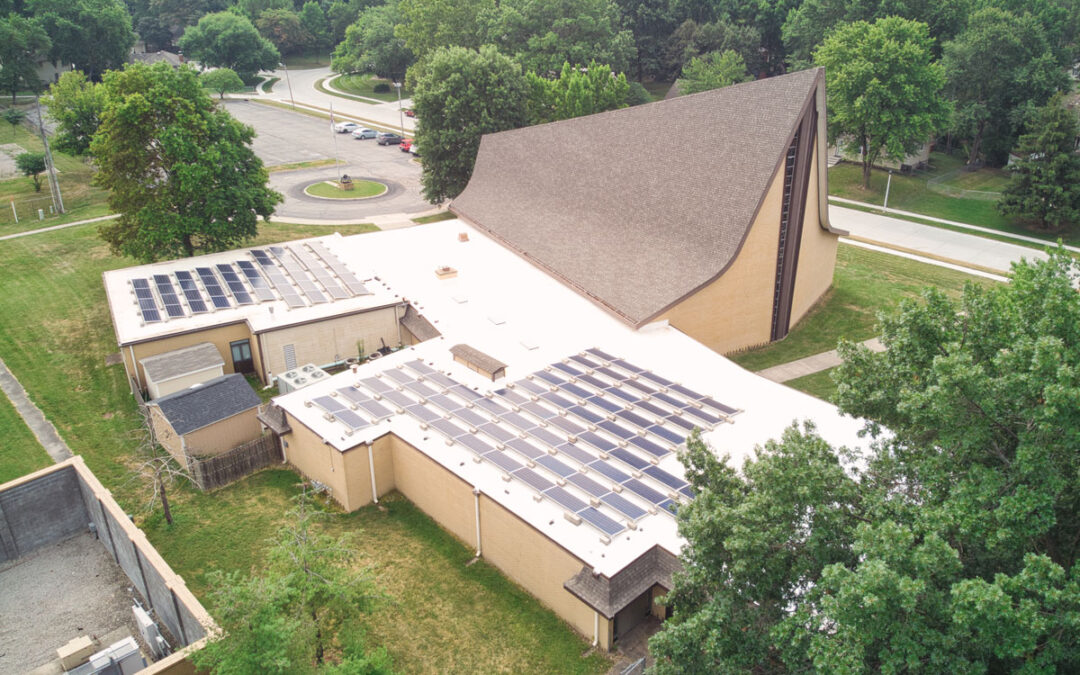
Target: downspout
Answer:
pixel 823 157
pixel 131 353
pixel 371 465
pixel 476 497
pixel 596 628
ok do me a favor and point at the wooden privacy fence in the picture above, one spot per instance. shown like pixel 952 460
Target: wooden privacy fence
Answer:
pixel 212 472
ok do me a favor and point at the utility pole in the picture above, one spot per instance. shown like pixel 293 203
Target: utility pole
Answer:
pixel 54 185
pixel 400 112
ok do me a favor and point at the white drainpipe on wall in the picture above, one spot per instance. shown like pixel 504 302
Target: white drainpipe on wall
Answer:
pixel 135 365
pixel 596 629
pixel 371 465
pixel 476 497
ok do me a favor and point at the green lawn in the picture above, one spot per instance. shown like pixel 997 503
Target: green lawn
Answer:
pixel 20 452
pixel 912 193
pixel 818 384
pixel 364 85
pixel 306 61
pixel 361 190
pixel 439 614
pixel 310 164
pixel 865 283
pixel 434 218
pixel 81 200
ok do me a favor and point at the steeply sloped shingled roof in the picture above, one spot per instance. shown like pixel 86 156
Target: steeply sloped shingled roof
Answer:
pixel 638 208
pixel 609 596
pixel 202 405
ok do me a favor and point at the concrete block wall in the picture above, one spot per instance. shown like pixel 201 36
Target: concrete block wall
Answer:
pixel 39 512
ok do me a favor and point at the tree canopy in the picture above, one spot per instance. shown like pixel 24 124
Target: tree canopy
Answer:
pixel 460 95
pixel 948 546
pixel 94 35
pixel 577 91
pixel 712 71
pixel 180 172
pixel 221 80
pixel 75 104
pixel 32 165
pixel 884 88
pixel 1045 185
pixel 226 40
pixel 371 45
pixel 23 42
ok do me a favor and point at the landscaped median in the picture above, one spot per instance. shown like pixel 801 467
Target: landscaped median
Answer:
pixel 358 189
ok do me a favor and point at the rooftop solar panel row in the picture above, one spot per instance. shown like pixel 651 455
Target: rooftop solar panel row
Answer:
pixel 347 277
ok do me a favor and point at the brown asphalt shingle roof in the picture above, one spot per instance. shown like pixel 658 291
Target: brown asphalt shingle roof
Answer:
pixel 639 207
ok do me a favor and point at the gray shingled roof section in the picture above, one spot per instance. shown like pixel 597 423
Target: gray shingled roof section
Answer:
pixel 162 367
pixel 608 596
pixel 202 405
pixel 418 325
pixel 477 358
pixel 639 207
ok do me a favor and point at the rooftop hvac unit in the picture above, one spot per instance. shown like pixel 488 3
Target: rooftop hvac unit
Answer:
pixel 149 632
pixel 299 378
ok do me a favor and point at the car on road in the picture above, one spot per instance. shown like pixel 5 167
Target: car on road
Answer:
pixel 409 112
pixel 345 127
pixel 361 134
pixel 387 138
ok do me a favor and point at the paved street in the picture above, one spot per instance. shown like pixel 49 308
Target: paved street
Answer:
pixel 284 137
pixel 304 91
pixel 931 241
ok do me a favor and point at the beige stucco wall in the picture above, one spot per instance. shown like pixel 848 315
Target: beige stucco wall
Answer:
pixel 435 491
pixel 735 311
pixel 331 340
pixel 159 389
pixel 817 254
pixel 220 336
pixel 165 435
pixel 224 435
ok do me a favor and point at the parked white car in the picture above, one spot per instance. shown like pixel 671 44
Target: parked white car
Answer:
pixel 361 134
pixel 345 127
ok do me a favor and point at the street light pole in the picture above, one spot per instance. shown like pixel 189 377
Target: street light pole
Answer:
pixel 888 184
pixel 289 82
pixel 400 112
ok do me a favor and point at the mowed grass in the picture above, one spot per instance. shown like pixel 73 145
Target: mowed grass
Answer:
pixel 364 85
pixel 817 384
pixel 20 452
pixel 81 200
pixel 865 283
pixel 439 615
pixel 434 218
pixel 362 189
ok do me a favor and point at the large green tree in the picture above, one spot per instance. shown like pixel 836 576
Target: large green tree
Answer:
pixel 221 80
pixel 227 40
pixel 884 88
pixel 94 35
pixel 302 614
pixel 370 45
pixel 313 19
pixel 23 45
pixel 577 91
pixel 459 95
pixel 180 171
pixel 651 22
pixel 428 25
pixel 283 29
pixel 691 39
pixel 75 104
pixel 999 68
pixel 1045 185
pixel 712 71
pixel 948 546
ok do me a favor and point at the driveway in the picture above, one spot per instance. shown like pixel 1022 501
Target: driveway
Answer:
pixel 285 137
pixel 304 91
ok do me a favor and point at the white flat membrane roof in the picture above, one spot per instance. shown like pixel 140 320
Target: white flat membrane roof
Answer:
pixel 261 315
pixel 542 322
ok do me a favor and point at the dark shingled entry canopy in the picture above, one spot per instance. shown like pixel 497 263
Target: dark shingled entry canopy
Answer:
pixel 640 207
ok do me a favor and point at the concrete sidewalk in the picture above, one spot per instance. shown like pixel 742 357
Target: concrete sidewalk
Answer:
pixel 812 364
pixel 43 429
pixel 59 227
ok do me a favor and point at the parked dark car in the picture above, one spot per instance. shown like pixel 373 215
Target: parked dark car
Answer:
pixel 387 138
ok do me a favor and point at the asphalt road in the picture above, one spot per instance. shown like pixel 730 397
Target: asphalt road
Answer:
pixel 285 137
pixel 304 91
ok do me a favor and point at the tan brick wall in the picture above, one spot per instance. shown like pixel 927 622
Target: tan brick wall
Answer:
pixel 435 491
pixel 315 459
pixel 224 435
pixel 735 311
pixel 220 336
pixel 817 254
pixel 331 340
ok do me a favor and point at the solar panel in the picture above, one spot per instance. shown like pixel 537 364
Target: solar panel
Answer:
pixel 555 466
pixel 525 449
pixel 597 441
pixel 616 430
pixel 588 363
pixel 702 415
pixel 633 418
pixel 278 280
pixel 232 280
pixel 168 296
pixel 623 394
pixel 491 406
pixel 422 413
pixel 549 378
pixel 438 400
pixel 531 387
pixel 575 452
pixel 566 425
pixel 593 382
pixel 459 389
pixel 668 479
pixel 498 433
pixel 513 396
pixel 329 404
pixel 502 461
pixel 604 355
pixel 608 372
pixel 585 414
pixel 718 406
pixel 537 410
pixel 640 386
pixel 346 276
pixel 653 377
pixel 519 421
pixel 649 447
pixel 258 283
pixel 447 428
pixel 670 400
pixel 145 297
pixel 376 385
pixel 564 498
pixel 568 369
pixel 421 389
pixel 645 492
pixel 623 505
pixel 608 526
pixel 688 393
pixel 601 402
pixel 587 485
pixel 398 376
pixel 546 436
pixel 475 444
pixel 605 469
pixel 533 479
pixel 680 422
pixel 299 275
pixel 627 366
pixel 191 291
pixel 688 491
pixel 314 266
pixel 469 417
pixel 667 434
pixel 351 419
pixel 629 458
pixel 578 392
pixel 652 408
pixel 556 400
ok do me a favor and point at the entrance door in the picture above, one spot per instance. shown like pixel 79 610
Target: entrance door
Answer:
pixel 241 356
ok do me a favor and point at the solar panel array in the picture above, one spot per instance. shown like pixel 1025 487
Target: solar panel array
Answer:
pixel 309 267
pixel 563 431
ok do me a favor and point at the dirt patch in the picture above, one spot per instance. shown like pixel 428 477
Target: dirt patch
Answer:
pixel 8 153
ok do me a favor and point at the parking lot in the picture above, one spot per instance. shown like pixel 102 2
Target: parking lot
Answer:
pixel 285 137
